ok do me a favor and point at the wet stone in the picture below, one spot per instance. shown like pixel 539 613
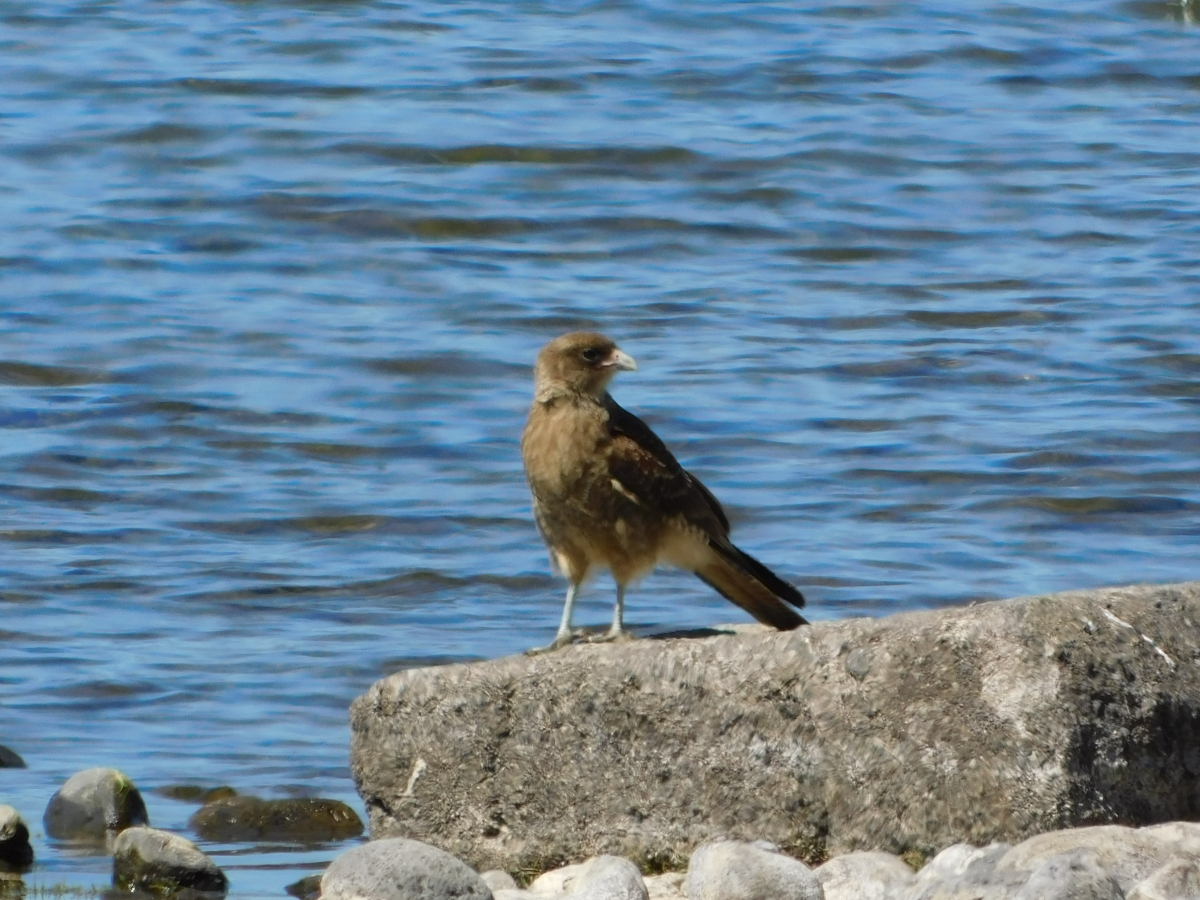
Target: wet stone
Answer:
pixel 93 804
pixel 16 854
pixel 307 888
pixel 10 759
pixel 195 793
pixel 307 820
pixel 162 864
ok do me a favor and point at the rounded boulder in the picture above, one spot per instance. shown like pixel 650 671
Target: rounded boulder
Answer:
pixel 150 861
pixel 731 870
pixel 401 869
pixel 93 804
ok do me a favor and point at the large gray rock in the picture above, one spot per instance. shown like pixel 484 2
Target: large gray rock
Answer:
pixel 399 869
pixel 963 872
pixel 986 723
pixel 16 853
pixel 1176 879
pixel 865 875
pixel 1074 875
pixel 93 805
pixel 150 861
pixel 732 870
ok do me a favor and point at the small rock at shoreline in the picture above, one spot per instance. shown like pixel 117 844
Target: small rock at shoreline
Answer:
pixel 732 870
pixel 400 869
pixel 307 888
pixel 864 876
pixel 94 804
pixel 498 880
pixel 254 819
pixel 16 854
pixel 163 864
pixel 10 759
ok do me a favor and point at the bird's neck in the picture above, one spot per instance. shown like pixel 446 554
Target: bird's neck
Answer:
pixel 554 393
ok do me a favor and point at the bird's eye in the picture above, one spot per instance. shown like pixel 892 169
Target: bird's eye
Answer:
pixel 591 354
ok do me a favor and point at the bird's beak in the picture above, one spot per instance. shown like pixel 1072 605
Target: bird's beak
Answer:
pixel 619 359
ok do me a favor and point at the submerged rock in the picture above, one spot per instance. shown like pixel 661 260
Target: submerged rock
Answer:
pixel 730 870
pixel 987 723
pixel 16 854
pixel 163 864
pixel 10 759
pixel 400 869
pixel 195 793
pixel 94 804
pixel 294 820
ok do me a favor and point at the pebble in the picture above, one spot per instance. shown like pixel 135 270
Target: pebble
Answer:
pixel 157 862
pixel 93 805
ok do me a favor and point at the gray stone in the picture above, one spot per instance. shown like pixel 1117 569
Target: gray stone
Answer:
pixel 93 805
pixel 10 759
pixel 963 872
pixel 400 869
pixel 986 723
pixel 302 820
pixel 865 875
pixel 1128 854
pixel 498 880
pixel 157 862
pixel 667 886
pixel 1176 879
pixel 556 881
pixel 16 854
pixel 1074 875
pixel 731 870
pixel 608 878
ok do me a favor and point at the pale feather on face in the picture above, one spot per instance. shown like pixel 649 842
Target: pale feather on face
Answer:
pixel 582 362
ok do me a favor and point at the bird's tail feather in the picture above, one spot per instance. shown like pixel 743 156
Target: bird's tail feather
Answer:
pixel 741 578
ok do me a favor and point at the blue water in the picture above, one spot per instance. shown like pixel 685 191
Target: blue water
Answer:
pixel 913 287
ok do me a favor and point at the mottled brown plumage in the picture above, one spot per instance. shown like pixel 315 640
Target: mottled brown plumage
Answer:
pixel 608 494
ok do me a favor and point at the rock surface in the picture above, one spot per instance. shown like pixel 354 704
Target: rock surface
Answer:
pixel 732 870
pixel 986 723
pixel 10 759
pixel 93 805
pixel 237 818
pixel 16 853
pixel 498 880
pixel 1176 879
pixel 400 869
pixel 864 875
pixel 163 864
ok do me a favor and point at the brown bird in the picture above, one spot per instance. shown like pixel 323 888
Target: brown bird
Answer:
pixel 608 494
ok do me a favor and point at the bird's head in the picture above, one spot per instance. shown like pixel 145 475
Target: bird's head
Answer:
pixel 582 362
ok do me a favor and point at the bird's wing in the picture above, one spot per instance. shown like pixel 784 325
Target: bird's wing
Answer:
pixel 651 476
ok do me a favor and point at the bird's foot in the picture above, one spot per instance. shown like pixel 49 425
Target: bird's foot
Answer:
pixel 611 636
pixel 562 639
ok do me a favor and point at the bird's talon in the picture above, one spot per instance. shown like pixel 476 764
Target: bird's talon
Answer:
pixel 562 639
pixel 611 637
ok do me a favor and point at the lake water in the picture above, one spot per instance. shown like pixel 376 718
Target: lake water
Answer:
pixel 912 286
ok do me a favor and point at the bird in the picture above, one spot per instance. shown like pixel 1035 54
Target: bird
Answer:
pixel 608 494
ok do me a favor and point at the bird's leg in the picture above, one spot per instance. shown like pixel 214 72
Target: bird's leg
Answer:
pixel 565 635
pixel 617 632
